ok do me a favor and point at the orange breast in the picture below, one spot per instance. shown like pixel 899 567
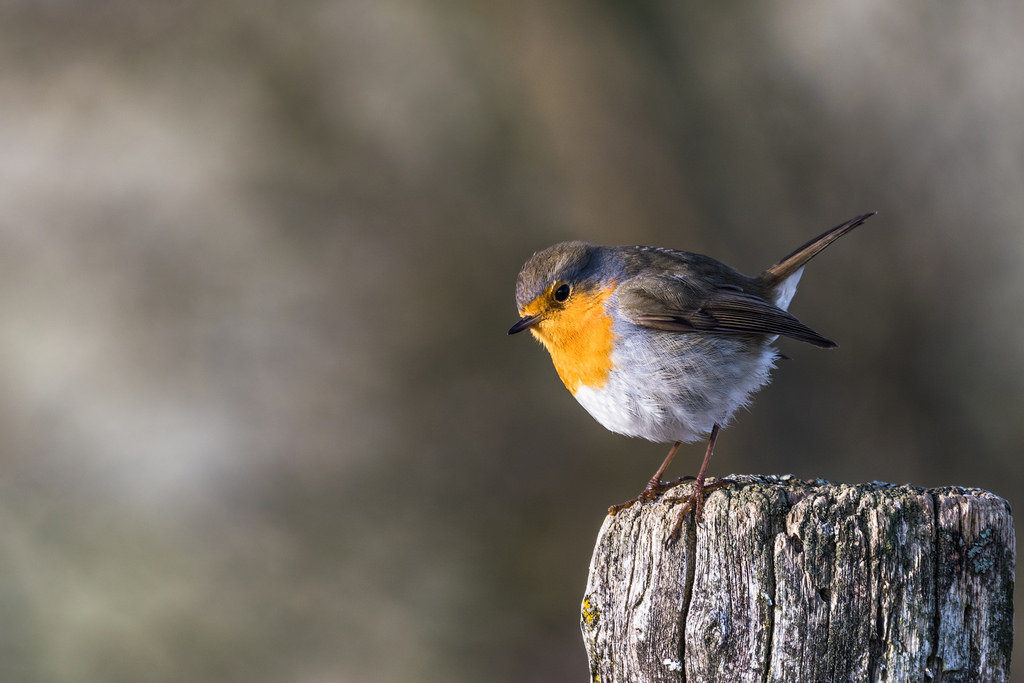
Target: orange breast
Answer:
pixel 579 338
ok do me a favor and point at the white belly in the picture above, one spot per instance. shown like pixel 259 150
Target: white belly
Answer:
pixel 678 396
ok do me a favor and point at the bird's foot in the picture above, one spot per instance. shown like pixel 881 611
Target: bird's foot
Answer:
pixel 694 502
pixel 655 487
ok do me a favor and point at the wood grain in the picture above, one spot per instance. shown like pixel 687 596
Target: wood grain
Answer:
pixel 786 580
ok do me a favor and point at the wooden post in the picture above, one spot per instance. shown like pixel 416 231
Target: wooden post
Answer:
pixel 785 580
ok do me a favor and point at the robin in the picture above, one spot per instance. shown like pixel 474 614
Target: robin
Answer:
pixel 663 344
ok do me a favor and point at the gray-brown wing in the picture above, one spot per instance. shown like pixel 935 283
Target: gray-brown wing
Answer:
pixel 675 304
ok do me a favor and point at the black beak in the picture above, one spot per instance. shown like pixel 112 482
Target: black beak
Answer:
pixel 524 322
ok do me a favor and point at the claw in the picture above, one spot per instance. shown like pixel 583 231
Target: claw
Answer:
pixel 695 502
pixel 653 489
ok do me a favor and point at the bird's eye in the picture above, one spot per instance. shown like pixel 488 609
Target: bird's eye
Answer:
pixel 562 293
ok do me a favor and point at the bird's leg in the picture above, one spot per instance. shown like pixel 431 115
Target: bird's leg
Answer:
pixel 695 501
pixel 655 487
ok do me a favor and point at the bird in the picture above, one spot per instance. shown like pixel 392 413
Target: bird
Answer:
pixel 661 343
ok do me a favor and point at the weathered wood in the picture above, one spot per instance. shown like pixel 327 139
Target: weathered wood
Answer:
pixel 785 580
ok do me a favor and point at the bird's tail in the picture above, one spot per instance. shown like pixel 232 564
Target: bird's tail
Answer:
pixel 784 269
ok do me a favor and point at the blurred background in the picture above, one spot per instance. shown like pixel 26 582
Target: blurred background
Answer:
pixel 260 418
